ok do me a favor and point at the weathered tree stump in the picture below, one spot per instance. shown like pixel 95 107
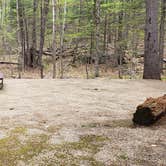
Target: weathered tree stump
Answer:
pixel 150 111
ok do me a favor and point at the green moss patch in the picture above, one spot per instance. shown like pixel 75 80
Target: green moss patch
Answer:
pixel 12 150
pixel 36 149
pixel 89 143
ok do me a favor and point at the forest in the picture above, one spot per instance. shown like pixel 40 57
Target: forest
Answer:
pixel 82 38
pixel 82 83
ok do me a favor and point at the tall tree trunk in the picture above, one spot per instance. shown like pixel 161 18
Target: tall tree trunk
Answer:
pixel 105 41
pixel 78 31
pixel 151 55
pixel 44 13
pixel 105 33
pixel 120 49
pixel 62 38
pixel 97 35
pixel 162 32
pixel 54 37
pixel 33 56
pixel 18 41
pixel 21 31
pixel 27 52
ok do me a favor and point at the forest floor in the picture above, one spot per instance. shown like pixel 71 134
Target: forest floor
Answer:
pixel 78 122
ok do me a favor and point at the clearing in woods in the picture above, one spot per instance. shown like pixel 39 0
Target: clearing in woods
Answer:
pixel 78 122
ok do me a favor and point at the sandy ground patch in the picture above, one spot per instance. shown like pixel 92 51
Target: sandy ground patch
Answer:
pixel 82 122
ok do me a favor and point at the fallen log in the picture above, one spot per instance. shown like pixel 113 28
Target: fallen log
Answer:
pixel 164 60
pixel 9 63
pixel 1 79
pixel 150 111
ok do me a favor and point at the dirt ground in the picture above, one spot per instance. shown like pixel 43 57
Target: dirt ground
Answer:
pixel 78 122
